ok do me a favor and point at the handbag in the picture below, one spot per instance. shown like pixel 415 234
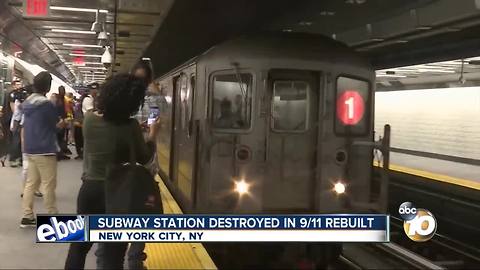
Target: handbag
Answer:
pixel 130 188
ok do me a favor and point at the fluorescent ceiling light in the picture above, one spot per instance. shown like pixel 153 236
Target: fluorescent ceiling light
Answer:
pixel 78 9
pixel 391 75
pixel 430 66
pixel 423 27
pixel 434 66
pixel 87 63
pixel 85 55
pixel 90 72
pixel 73 31
pixel 436 70
pixel 102 68
pixel 82 45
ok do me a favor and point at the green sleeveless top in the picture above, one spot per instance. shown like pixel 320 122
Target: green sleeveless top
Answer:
pixel 106 142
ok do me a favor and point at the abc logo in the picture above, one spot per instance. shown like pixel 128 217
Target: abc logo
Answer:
pixel 419 224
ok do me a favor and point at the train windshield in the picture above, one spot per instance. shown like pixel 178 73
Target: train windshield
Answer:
pixel 232 94
pixel 290 106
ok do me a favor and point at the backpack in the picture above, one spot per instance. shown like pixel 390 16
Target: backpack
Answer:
pixel 130 188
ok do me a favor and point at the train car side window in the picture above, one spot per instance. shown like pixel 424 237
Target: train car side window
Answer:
pixel 232 99
pixel 290 105
pixel 191 94
pixel 184 95
pixel 352 107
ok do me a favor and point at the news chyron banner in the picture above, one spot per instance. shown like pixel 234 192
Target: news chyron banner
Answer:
pixel 214 228
pixel 61 228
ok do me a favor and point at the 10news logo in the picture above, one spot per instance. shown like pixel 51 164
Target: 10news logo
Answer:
pixel 419 224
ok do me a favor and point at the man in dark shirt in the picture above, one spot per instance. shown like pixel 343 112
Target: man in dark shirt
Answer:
pixel 15 98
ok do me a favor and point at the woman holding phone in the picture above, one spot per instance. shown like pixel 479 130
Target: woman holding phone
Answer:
pixel 108 133
pixel 150 109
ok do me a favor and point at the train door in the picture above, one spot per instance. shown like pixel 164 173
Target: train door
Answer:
pixel 291 141
pixel 183 147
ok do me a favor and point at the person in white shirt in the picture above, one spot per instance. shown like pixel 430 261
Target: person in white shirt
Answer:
pixel 88 103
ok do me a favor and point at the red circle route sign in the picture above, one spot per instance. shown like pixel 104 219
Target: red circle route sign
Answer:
pixel 350 107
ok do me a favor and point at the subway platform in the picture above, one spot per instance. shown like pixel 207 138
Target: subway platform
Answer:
pixel 23 253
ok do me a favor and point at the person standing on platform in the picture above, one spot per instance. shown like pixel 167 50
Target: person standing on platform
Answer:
pixel 28 92
pixel 6 119
pixel 143 72
pixel 40 146
pixel 88 103
pixel 15 153
pixel 109 132
pixel 62 115
pixel 77 126
pixel 69 118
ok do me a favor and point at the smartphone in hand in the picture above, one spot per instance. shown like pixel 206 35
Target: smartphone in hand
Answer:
pixel 153 115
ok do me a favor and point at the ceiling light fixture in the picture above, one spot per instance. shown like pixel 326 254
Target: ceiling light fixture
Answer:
pixel 102 68
pixel 73 31
pixel 82 45
pixel 107 57
pixel 391 75
pixel 423 27
pixel 92 72
pixel 327 13
pixel 103 35
pixel 85 55
pixel 96 26
pixel 78 9
pixel 305 23
pixel 436 70
pixel 87 63
pixel 428 66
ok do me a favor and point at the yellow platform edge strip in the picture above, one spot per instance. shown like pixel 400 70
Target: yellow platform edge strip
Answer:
pixel 435 176
pixel 181 255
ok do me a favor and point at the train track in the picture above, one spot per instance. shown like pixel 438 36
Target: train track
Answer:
pixel 457 210
pixel 450 248
pixel 441 250
pixel 381 256
pixel 454 246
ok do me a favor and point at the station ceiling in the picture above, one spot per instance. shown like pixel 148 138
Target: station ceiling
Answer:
pixel 66 33
pixel 392 33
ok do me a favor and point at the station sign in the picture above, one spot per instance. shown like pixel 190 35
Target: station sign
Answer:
pixel 36 8
pixel 352 107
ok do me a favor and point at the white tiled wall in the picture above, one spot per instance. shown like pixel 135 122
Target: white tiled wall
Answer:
pixel 444 121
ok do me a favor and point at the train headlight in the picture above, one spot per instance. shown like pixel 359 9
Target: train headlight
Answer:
pixel 241 187
pixel 339 188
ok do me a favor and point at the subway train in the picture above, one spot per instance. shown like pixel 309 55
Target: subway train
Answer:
pixel 271 123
